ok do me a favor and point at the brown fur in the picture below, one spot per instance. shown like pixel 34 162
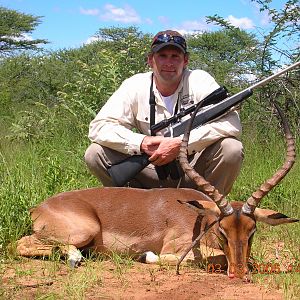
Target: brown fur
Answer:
pixel 134 221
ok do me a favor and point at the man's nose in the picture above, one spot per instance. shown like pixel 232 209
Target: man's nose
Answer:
pixel 169 62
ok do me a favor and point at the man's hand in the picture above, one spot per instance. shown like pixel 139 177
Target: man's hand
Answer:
pixel 161 150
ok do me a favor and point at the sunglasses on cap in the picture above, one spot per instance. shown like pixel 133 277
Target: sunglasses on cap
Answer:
pixel 167 38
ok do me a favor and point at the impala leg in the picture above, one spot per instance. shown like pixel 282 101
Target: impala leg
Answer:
pixel 170 259
pixel 215 257
pixel 151 258
pixel 31 246
pixel 73 254
pixel 206 254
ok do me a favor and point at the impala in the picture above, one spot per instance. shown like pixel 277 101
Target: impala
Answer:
pixel 156 225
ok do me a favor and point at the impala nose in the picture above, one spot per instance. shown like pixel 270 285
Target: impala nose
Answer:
pixel 237 271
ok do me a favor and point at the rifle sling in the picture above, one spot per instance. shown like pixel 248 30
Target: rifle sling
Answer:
pixel 152 106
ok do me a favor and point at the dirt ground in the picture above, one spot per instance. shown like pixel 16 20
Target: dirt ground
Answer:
pixel 37 279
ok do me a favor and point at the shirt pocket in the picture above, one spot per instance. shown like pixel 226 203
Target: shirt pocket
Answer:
pixel 143 122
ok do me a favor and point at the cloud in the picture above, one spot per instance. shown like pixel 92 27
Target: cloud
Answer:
pixel 91 40
pixel 90 12
pixel 148 21
pixel 191 27
pixel 21 37
pixel 125 14
pixel 186 27
pixel 26 37
pixel 243 23
pixel 163 20
pixel 194 26
pixel 109 12
pixel 263 16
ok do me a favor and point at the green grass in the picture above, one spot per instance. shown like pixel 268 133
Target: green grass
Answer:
pixel 33 171
pixel 29 173
pixel 262 159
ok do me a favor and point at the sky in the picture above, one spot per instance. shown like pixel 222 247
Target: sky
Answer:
pixel 72 23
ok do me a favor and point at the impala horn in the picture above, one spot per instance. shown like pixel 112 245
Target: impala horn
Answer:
pixel 266 187
pixel 224 206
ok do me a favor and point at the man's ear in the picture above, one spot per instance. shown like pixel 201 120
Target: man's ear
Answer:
pixel 150 60
pixel 272 217
pixel 186 59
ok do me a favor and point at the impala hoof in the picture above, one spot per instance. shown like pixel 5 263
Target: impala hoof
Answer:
pixel 73 263
pixel 74 258
pixel 148 258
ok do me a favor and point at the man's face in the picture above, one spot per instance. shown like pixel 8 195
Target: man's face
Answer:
pixel 168 64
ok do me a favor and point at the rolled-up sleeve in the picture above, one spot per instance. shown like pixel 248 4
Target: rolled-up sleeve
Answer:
pixel 112 127
pixel 204 136
pixel 128 108
pixel 201 84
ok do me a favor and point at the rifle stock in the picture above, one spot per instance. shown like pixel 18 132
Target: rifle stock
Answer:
pixel 216 96
pixel 124 171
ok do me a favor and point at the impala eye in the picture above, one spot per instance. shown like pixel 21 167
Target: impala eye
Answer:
pixel 222 232
pixel 222 239
pixel 251 235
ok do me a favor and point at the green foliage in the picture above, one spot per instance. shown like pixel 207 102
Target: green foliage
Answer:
pixel 14 26
pixel 229 54
pixel 30 172
pixel 283 37
pixel 32 124
pixel 281 42
pixel 27 83
pixel 119 54
pixel 241 55
pixel 264 155
pixel 67 88
pixel 48 100
pixel 283 90
pixel 131 43
pixel 92 86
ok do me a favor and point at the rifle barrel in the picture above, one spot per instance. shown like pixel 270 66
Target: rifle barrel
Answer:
pixel 127 169
pixel 264 81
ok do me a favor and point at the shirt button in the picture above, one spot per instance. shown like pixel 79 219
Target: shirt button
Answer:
pixel 146 118
pixel 135 152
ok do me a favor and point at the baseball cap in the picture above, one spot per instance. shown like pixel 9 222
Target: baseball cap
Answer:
pixel 168 38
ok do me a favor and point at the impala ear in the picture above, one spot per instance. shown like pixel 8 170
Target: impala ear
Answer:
pixel 202 207
pixel 272 217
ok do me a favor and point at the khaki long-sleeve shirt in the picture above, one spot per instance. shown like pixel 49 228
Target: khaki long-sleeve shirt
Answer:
pixel 129 108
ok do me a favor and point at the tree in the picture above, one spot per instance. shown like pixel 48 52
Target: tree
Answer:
pixel 283 38
pixel 229 54
pixel 132 43
pixel 14 28
pixel 117 54
pixel 277 46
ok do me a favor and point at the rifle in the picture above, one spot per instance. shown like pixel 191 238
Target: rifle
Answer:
pixel 213 106
pixel 122 172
